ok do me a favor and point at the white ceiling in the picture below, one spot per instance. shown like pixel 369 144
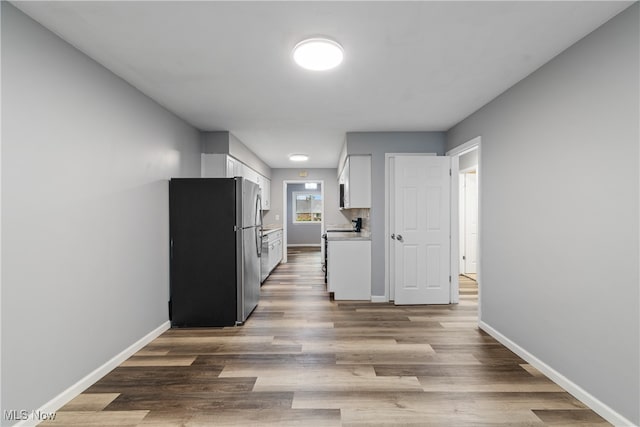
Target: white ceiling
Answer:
pixel 409 66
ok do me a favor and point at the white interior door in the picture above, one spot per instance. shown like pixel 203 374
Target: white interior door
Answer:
pixel 470 222
pixel 421 229
pixel 461 222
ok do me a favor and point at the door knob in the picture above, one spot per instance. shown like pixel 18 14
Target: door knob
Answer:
pixel 399 237
pixel 393 236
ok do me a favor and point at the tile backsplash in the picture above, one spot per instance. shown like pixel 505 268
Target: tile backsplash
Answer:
pixel 363 213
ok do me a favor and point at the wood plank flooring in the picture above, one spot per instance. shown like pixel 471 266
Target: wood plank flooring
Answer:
pixel 302 359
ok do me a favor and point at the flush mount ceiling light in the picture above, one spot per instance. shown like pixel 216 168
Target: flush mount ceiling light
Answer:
pixel 318 54
pixel 298 157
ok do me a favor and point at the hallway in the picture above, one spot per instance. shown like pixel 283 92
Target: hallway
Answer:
pixel 304 360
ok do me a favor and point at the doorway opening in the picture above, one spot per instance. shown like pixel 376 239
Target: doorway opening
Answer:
pixel 465 230
pixel 303 214
pixel 468 219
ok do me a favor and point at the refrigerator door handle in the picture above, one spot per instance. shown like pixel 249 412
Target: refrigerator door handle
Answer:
pixel 258 229
pixel 259 210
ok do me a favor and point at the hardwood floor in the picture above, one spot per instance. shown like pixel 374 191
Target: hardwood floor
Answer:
pixel 304 360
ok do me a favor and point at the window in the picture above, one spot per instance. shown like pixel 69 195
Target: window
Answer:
pixel 307 207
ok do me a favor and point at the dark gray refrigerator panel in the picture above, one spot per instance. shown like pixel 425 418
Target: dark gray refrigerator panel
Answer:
pixel 208 278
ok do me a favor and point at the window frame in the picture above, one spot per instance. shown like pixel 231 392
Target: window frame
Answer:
pixel 294 199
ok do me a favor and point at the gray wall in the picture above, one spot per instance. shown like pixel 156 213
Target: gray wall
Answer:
pixel 560 234
pixel 301 234
pixel 377 144
pixel 332 213
pixel 85 163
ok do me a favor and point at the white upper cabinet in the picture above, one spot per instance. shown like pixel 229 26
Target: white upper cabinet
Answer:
pixel 225 166
pixel 219 166
pixel 265 186
pixel 355 180
pixel 262 181
pixel 214 165
pixel 250 174
pixel 234 167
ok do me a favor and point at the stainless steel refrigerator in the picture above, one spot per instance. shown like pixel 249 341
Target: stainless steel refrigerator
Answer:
pixel 216 231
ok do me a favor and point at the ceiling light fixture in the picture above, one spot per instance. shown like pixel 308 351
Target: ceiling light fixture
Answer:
pixel 318 54
pixel 298 157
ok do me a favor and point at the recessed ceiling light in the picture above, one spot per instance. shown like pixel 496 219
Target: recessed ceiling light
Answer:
pixel 318 54
pixel 298 157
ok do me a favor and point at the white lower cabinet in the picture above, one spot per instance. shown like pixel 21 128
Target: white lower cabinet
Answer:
pixel 349 269
pixel 271 252
pixel 275 250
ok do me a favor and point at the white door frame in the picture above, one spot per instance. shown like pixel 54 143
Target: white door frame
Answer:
pixel 285 213
pixel 389 292
pixel 455 153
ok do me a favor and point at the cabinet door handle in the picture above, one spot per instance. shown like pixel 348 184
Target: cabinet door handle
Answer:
pixel 399 237
pixel 393 236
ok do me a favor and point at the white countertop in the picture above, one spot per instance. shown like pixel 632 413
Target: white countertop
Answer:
pixel 363 235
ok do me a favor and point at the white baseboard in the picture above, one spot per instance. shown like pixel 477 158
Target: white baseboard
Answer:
pixel 302 245
pixel 379 298
pixel 578 392
pixel 66 396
